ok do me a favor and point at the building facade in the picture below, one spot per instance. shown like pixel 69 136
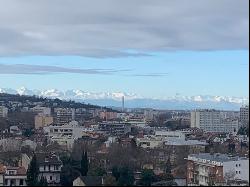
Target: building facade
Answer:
pixel 213 169
pixel 212 121
pixel 3 111
pixel 114 128
pixel 244 115
pixel 43 120
pixel 12 176
pixel 50 167
pixel 64 115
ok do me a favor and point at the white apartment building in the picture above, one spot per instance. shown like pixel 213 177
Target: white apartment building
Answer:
pixel 3 111
pixel 65 135
pixel 64 115
pixel 212 121
pixel 206 169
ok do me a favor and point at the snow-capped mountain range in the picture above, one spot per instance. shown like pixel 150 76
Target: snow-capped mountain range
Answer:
pixel 136 101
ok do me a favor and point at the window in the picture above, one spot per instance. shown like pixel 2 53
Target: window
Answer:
pixel 239 165
pixel 236 172
pixel 239 172
pixel 21 182
pixel 236 165
pixel 51 178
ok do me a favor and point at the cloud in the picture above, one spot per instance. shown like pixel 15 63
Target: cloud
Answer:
pixel 38 69
pixel 110 28
pixel 25 69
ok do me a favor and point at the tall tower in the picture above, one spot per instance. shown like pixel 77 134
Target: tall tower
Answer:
pixel 123 103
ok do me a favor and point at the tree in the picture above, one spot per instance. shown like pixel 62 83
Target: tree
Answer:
pixel 148 177
pixel 32 172
pixel 110 181
pixel 116 173
pixel 167 176
pixel 126 177
pixel 68 175
pixel 43 181
pixel 168 170
pixel 229 176
pixel 84 164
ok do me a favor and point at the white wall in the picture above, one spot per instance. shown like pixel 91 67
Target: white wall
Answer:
pixel 240 166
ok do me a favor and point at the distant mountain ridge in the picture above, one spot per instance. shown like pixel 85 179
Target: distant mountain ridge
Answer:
pixel 135 101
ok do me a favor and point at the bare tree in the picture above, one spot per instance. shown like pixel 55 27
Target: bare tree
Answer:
pixel 229 176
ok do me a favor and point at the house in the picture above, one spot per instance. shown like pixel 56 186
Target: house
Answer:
pixel 88 181
pixel 49 166
pixel 12 176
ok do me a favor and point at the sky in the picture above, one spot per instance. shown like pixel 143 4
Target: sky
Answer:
pixel 155 49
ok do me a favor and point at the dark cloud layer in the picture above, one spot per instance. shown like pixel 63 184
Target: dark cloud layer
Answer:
pixel 109 28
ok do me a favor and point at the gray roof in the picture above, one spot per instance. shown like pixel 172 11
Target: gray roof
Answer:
pixel 217 157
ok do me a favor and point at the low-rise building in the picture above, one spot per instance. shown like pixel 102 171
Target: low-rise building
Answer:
pixel 12 176
pixel 114 128
pixel 150 142
pixel 170 135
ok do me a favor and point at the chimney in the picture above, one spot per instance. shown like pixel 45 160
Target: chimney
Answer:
pixel 123 103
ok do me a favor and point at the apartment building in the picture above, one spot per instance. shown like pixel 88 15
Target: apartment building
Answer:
pixel 212 121
pixel 42 120
pixel 3 111
pixel 66 135
pixel 64 115
pixel 108 115
pixel 214 169
pixel 244 115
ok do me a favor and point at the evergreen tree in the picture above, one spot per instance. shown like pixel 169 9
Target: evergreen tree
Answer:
pixel 32 172
pixel 168 173
pixel 116 173
pixel 126 177
pixel 84 164
pixel 148 177
pixel 43 182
